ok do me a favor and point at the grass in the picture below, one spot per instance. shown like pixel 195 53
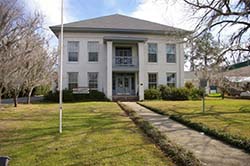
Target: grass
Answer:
pixel 179 155
pixel 94 133
pixel 229 116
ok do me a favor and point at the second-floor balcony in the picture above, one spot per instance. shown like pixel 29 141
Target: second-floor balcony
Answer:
pixel 125 61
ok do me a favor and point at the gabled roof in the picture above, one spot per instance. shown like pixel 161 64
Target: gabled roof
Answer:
pixel 118 24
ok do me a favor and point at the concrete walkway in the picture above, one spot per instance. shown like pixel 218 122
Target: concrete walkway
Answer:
pixel 208 150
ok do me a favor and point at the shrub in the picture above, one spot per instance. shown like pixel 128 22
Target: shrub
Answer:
pixel 96 95
pixel 50 96
pixel 179 94
pixel 195 94
pixel 68 96
pixel 189 85
pixel 42 90
pixel 151 94
pixel 170 93
pixel 165 91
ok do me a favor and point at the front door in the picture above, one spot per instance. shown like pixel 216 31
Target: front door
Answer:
pixel 123 83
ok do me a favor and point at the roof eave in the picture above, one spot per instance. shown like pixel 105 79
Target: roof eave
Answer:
pixel 56 30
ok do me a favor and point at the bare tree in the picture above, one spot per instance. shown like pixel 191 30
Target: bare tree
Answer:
pixel 24 57
pixel 39 68
pixel 9 34
pixel 224 16
pixel 204 55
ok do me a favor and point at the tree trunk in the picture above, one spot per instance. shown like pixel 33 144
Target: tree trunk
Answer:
pixel 15 100
pixel 223 95
pixel 29 95
pixel 1 95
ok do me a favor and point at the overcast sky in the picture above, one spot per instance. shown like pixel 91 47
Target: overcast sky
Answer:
pixel 167 12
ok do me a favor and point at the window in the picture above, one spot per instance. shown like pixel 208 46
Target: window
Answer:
pixel 93 80
pixel 171 53
pixel 73 80
pixel 73 51
pixel 152 52
pixel 93 50
pixel 123 56
pixel 171 79
pixel 123 51
pixel 152 80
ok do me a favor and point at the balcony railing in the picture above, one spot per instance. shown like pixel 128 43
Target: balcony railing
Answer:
pixel 120 61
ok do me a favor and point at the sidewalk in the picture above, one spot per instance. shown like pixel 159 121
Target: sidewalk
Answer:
pixel 210 151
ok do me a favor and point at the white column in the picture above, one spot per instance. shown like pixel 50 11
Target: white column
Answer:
pixel 109 70
pixel 181 65
pixel 136 82
pixel 141 70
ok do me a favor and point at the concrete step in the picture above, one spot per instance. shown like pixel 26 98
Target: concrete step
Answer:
pixel 125 98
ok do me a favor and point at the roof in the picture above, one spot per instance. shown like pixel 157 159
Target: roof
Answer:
pixel 118 24
pixel 239 65
pixel 239 72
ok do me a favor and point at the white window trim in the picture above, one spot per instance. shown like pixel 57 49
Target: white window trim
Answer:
pixel 157 78
pixel 73 82
pixel 157 53
pixel 97 79
pixel 176 77
pixel 98 55
pixel 67 46
pixel 171 63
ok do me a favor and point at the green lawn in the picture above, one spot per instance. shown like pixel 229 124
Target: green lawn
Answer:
pixel 229 115
pixel 93 134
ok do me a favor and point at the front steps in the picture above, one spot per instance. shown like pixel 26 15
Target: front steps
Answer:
pixel 125 98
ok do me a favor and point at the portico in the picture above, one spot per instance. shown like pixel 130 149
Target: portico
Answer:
pixel 125 57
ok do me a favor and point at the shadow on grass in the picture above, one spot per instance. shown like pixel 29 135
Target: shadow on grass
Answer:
pixel 89 124
pixel 245 109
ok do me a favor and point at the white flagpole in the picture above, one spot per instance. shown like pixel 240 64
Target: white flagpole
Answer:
pixel 61 71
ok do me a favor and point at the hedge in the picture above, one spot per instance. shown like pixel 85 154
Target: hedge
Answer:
pixel 151 94
pixel 68 96
pixel 172 93
pixel 179 155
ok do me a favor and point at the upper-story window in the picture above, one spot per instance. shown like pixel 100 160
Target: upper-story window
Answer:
pixel 123 56
pixel 93 51
pixel 152 52
pixel 171 79
pixel 72 80
pixel 152 80
pixel 73 51
pixel 171 53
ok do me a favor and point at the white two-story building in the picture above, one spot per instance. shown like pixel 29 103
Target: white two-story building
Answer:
pixel 121 55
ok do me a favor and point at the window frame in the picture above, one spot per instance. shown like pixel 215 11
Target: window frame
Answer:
pixel 69 51
pixel 76 82
pixel 175 81
pixel 93 52
pixel 123 55
pixel 93 82
pixel 153 84
pixel 167 54
pixel 155 54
